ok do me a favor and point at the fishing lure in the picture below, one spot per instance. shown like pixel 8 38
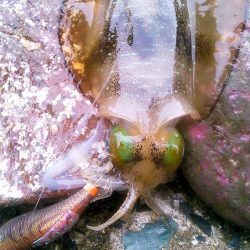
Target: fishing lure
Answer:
pixel 141 61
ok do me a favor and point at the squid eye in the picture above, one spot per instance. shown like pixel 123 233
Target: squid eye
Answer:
pixel 174 149
pixel 121 145
pixel 171 148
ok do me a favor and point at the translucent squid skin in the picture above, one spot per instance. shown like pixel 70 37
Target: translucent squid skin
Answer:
pixel 45 225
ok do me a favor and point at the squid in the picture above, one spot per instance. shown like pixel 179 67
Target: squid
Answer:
pixel 140 71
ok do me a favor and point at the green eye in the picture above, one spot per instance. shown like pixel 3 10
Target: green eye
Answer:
pixel 121 145
pixel 170 148
pixel 174 149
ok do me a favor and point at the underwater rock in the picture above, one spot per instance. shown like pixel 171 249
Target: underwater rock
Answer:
pixel 217 153
pixel 39 105
pixel 152 236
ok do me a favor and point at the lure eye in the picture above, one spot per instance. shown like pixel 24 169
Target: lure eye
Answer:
pixel 121 145
pixel 171 148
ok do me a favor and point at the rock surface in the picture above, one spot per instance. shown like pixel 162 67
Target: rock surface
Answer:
pixel 39 105
pixel 218 148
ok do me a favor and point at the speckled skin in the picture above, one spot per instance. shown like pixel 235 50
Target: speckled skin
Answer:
pixel 217 157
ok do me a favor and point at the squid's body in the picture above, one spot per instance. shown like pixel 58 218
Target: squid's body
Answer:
pixel 145 68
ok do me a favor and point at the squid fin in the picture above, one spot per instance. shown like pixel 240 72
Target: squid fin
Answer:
pixel 192 20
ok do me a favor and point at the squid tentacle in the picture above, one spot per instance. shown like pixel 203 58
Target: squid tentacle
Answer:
pixel 127 205
pixel 153 204
pixel 70 160
pixel 45 225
